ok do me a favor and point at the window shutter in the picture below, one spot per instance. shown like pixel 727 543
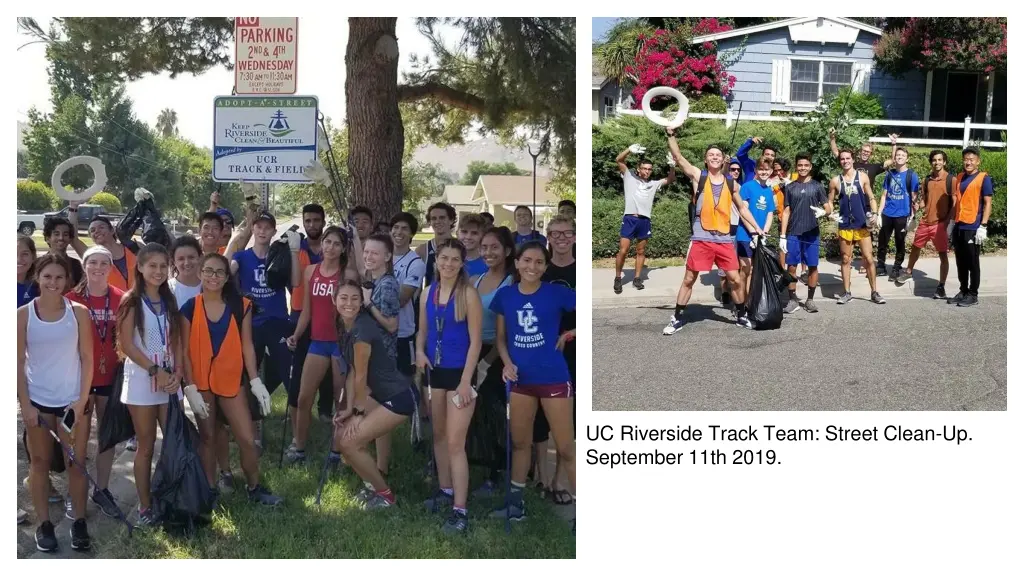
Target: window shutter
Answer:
pixel 862 73
pixel 778 80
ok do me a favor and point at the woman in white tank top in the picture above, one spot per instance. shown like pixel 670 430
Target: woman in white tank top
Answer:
pixel 150 336
pixel 54 375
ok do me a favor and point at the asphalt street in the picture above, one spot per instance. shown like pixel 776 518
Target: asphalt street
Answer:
pixel 908 354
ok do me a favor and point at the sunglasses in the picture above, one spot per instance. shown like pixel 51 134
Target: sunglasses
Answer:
pixel 734 169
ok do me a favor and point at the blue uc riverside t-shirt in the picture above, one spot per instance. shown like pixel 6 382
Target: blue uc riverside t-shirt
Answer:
pixel 252 276
pixel 760 201
pixel 898 187
pixel 532 330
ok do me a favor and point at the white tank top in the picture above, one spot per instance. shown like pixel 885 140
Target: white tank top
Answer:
pixel 53 365
pixel 153 346
pixel 183 292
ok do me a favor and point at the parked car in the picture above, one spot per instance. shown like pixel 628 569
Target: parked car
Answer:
pixel 30 221
pixel 86 212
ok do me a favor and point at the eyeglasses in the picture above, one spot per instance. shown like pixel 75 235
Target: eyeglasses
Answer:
pixel 734 169
pixel 562 234
pixel 215 272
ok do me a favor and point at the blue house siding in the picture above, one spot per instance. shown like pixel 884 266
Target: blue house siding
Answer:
pixel 902 98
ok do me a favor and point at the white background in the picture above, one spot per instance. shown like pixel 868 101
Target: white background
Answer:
pixel 872 509
pixel 829 508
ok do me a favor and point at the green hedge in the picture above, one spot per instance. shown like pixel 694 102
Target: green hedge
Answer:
pixel 670 221
pixel 110 203
pixel 671 228
pixel 34 195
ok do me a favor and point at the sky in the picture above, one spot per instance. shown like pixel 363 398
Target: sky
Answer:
pixel 321 73
pixel 601 25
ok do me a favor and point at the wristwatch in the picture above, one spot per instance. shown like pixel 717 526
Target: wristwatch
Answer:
pixel 152 370
pixel 358 412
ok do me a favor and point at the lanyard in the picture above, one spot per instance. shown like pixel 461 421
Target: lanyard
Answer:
pixel 101 319
pixel 439 318
pixel 160 325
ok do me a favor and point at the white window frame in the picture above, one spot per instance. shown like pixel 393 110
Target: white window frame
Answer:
pixel 821 77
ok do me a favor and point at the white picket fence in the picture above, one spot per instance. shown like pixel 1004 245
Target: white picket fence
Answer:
pixel 967 126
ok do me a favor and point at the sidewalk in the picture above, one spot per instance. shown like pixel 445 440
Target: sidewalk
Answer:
pixel 662 284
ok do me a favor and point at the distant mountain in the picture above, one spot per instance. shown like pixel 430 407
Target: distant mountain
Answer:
pixel 455 158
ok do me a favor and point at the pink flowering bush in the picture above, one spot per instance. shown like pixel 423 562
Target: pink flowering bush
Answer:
pixel 972 44
pixel 669 59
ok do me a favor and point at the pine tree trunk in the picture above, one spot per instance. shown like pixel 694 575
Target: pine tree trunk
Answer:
pixel 375 134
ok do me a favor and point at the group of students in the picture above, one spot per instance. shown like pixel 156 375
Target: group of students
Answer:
pixel 368 316
pixel 727 227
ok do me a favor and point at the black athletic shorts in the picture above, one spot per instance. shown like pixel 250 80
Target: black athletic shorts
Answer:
pixel 446 378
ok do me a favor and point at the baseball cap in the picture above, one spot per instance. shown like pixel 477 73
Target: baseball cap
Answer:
pixel 226 216
pixel 267 216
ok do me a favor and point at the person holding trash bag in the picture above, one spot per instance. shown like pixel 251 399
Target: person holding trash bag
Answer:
pixel 101 300
pixel 320 282
pixel 485 435
pixel 55 369
pixel 448 348
pixel 759 198
pixel 529 316
pixel 217 329
pixel 149 335
pixel 857 214
pixel 379 396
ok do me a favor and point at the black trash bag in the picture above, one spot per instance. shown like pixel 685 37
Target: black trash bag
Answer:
pixel 146 215
pixel 779 274
pixel 279 265
pixel 116 426
pixel 56 456
pixel 764 303
pixel 182 498
pixel 485 438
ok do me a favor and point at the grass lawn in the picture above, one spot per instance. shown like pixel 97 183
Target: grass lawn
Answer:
pixel 41 246
pixel 340 529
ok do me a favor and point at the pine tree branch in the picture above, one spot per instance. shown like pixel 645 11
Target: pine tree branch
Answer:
pixel 443 93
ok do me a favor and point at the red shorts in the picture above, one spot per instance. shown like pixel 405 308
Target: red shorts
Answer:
pixel 560 390
pixel 703 255
pixel 936 233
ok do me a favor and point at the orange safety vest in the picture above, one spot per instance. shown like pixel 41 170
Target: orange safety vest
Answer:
pixel 968 201
pixel 716 218
pixel 220 374
pixel 114 277
pixel 299 293
pixel 780 198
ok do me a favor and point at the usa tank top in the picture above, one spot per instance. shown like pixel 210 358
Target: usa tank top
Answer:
pixel 323 311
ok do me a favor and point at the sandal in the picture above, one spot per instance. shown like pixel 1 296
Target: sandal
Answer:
pixel 562 497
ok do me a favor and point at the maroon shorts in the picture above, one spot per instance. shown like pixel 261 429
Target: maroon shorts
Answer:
pixel 559 390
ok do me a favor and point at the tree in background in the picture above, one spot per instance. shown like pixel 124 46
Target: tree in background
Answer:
pixel 167 123
pixel 110 203
pixel 504 74
pixel 34 195
pixel 478 168
pixel 22 164
pixel 972 44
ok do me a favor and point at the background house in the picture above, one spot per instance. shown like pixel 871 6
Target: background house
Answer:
pixel 606 95
pixel 789 64
pixel 500 195
pixel 461 198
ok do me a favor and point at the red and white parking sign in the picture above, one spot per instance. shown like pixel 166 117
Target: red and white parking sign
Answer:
pixel 266 55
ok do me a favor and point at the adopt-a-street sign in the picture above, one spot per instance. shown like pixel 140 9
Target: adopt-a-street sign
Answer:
pixel 266 55
pixel 264 138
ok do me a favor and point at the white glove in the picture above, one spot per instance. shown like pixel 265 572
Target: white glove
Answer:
pixel 142 194
pixel 981 235
pixel 637 149
pixel 670 160
pixel 316 172
pixel 195 400
pixel 249 189
pixel 818 211
pixel 949 228
pixel 754 238
pixel 294 240
pixel 873 220
pixel 782 245
pixel 835 217
pixel 481 371
pixel 261 394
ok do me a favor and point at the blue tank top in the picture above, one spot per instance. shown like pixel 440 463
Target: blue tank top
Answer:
pixel 447 340
pixel 853 205
pixel 490 319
